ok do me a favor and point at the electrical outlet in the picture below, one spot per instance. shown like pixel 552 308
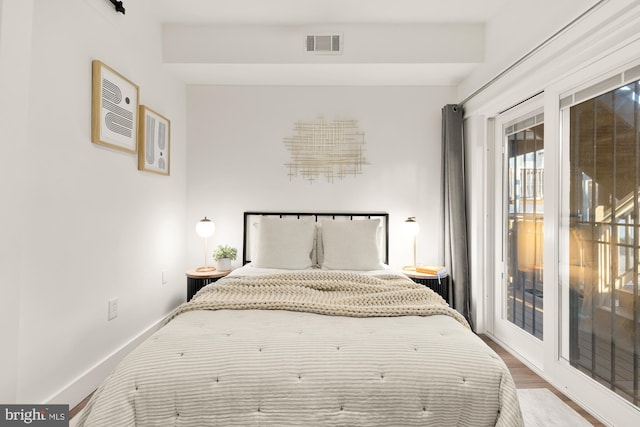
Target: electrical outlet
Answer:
pixel 164 277
pixel 113 308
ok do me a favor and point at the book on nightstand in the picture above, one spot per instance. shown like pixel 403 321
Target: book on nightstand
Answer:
pixel 436 270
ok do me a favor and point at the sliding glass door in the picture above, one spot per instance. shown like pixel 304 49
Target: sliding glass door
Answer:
pixel 564 223
pixel 525 217
pixel 602 194
pixel 519 299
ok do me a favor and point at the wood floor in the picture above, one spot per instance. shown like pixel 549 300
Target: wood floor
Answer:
pixel 526 378
pixel 73 412
pixel 522 376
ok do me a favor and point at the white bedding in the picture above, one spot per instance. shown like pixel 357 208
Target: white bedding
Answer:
pixel 289 368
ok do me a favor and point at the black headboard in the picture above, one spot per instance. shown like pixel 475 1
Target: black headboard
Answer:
pixel 383 216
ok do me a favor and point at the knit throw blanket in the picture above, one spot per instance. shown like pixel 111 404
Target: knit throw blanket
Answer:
pixel 336 293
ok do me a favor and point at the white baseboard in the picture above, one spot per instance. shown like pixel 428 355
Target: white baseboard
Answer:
pixel 77 390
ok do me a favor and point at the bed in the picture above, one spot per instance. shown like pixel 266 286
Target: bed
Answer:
pixel 315 329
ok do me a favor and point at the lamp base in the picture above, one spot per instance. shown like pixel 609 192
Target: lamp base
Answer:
pixel 205 269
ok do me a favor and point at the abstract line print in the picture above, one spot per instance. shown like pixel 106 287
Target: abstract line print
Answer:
pixel 154 142
pixel 117 119
pixel 114 109
pixel 331 149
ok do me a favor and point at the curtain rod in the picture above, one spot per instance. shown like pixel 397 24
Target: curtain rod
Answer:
pixel 521 102
pixel 533 51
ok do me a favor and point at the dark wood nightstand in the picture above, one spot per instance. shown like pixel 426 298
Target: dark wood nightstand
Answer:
pixel 197 280
pixel 438 284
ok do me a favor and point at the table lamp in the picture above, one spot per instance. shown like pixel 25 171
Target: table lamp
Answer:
pixel 412 229
pixel 205 228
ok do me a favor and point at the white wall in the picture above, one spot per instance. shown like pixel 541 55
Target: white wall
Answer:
pixel 236 158
pixel 15 42
pixel 90 226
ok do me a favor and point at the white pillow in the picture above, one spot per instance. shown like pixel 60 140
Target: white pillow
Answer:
pixel 351 245
pixel 285 243
pixel 254 238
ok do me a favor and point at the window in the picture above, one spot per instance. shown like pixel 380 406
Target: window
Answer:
pixel 603 203
pixel 524 141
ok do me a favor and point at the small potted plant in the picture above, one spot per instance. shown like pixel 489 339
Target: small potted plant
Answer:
pixel 223 256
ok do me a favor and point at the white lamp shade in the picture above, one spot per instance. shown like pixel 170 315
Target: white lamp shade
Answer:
pixel 412 227
pixel 205 227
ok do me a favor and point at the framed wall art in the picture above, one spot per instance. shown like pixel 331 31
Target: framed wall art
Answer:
pixel 333 149
pixel 154 136
pixel 114 109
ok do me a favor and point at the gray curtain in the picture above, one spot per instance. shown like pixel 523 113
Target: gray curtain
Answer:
pixel 456 256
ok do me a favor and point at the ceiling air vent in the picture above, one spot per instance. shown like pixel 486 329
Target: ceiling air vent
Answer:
pixel 324 43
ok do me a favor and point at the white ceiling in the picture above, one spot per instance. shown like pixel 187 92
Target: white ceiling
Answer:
pixel 326 12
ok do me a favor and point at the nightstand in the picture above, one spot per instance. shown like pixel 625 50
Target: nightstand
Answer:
pixel 438 284
pixel 197 280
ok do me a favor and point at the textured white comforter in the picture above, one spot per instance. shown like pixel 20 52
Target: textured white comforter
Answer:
pixel 289 368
